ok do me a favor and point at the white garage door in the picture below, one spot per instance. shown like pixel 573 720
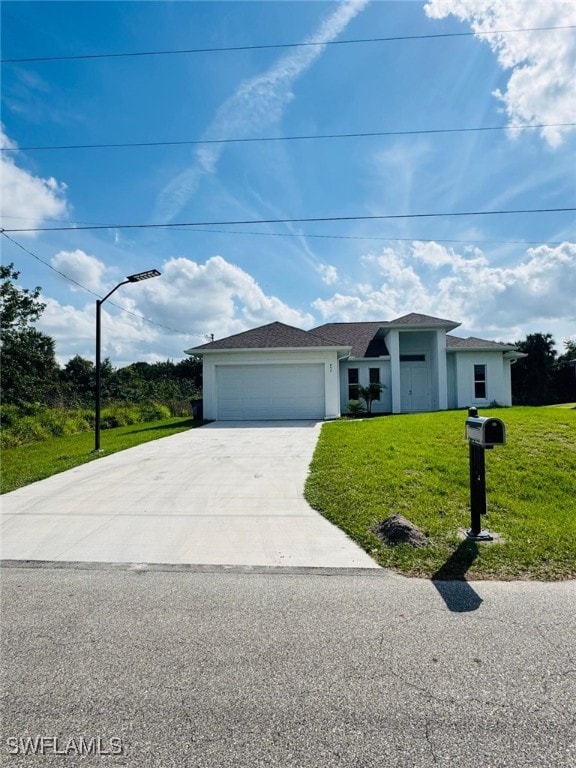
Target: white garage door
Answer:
pixel 246 392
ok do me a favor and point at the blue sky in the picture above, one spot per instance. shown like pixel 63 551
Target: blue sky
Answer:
pixel 501 276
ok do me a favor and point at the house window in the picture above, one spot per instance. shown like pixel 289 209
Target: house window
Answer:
pixel 480 382
pixel 412 358
pixel 374 378
pixel 353 381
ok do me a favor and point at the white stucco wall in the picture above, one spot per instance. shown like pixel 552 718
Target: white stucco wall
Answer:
pixel 451 381
pixel 507 379
pixel 393 346
pixel 431 344
pixel 441 370
pixel 329 358
pixel 497 378
pixel 384 405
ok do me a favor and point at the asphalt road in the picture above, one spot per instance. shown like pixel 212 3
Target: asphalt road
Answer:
pixel 220 667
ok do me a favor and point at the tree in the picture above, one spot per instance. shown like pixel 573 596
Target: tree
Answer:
pixel 189 373
pixel 534 376
pixel 78 380
pixel 29 367
pixel 570 354
pixel 566 373
pixel 18 306
pixel 544 376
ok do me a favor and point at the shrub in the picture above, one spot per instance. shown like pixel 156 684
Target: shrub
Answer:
pixel 119 416
pixel 355 407
pixel 79 421
pixel 33 421
pixel 20 427
pixel 8 440
pixel 31 409
pixel 9 415
pixel 153 412
pixel 28 430
pixel 179 406
pixel 54 421
pixel 86 417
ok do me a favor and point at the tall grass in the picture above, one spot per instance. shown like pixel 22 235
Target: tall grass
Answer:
pixel 33 422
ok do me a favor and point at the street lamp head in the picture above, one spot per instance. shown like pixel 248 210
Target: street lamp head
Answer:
pixel 143 276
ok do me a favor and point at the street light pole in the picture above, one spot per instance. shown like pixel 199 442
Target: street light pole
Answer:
pixel 130 279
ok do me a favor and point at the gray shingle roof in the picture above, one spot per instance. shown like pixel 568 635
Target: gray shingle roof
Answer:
pixel 271 336
pixel 364 338
pixel 360 336
pixel 472 342
pixel 416 319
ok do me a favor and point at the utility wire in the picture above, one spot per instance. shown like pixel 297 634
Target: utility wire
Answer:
pixel 386 239
pixel 47 264
pixel 311 137
pixel 332 237
pixel 173 52
pixel 382 217
pixel 89 290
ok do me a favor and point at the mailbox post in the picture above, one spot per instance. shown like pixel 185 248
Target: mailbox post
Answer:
pixel 482 433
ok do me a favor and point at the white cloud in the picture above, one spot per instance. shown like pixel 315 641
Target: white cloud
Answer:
pixel 199 299
pixel 329 273
pixel 369 304
pixel 125 337
pixel 502 302
pixel 540 88
pixel 536 294
pixel 27 200
pixel 256 104
pixel 214 297
pixel 86 270
pixel 435 255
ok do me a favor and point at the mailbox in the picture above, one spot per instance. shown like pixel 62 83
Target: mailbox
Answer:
pixel 485 431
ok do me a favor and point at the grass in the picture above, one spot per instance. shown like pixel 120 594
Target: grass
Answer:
pixel 35 461
pixel 417 466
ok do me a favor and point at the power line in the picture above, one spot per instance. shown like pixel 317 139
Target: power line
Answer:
pixel 385 239
pixel 228 49
pixel 333 237
pixel 311 137
pixel 382 217
pixel 47 264
pixel 89 290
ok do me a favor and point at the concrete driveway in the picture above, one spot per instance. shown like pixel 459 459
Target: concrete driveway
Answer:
pixel 229 493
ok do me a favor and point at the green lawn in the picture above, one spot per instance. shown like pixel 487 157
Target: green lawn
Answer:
pixel 35 461
pixel 417 465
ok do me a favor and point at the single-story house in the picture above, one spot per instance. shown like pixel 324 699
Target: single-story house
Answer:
pixel 277 371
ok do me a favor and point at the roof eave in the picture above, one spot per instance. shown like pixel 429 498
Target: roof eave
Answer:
pixel 447 326
pixel 360 358
pixel 242 350
pixel 503 349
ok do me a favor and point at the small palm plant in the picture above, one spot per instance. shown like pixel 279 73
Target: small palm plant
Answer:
pixel 370 393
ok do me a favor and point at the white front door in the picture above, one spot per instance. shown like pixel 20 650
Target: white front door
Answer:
pixel 415 387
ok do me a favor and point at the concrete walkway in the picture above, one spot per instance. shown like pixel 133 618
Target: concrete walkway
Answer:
pixel 229 493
